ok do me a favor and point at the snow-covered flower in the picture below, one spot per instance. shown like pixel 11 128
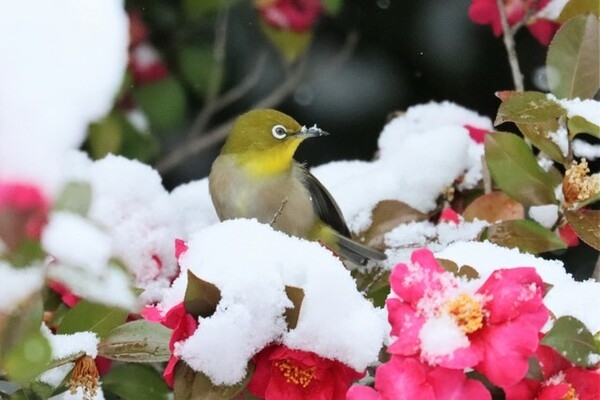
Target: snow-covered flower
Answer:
pixel 498 322
pixel 560 380
pixel 408 378
pixel 284 373
pixel 183 325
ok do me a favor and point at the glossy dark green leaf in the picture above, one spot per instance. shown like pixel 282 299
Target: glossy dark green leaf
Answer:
pixel 134 382
pixel 586 224
pixel 28 358
pixel 574 8
pixel 572 339
pixel 88 316
pixel 579 125
pixel 528 108
pixel 137 341
pixel 75 197
pixel 164 104
pixel 201 297
pixel 291 314
pixel 290 44
pixel 528 236
pixel 573 62
pixel 515 170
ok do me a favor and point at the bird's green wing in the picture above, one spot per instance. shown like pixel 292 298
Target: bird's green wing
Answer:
pixel 324 204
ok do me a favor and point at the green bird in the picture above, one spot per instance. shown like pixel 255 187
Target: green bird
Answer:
pixel 256 176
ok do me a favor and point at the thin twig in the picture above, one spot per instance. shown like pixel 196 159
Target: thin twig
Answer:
pixel 196 144
pixel 509 44
pixel 279 211
pixel 225 99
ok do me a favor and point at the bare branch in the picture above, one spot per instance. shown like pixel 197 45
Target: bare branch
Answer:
pixel 199 139
pixel 509 44
pixel 596 273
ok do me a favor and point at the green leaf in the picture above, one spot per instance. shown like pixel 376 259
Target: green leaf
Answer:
pixel 196 64
pixel 515 170
pixel 135 381
pixel 572 339
pixel 586 223
pixel 105 136
pixel 75 197
pixel 197 9
pixel 164 103
pixel 526 235
pixel 538 135
pixel 22 322
pixel 579 125
pixel 290 44
pixel 291 315
pixel 573 61
pixel 141 146
pixel 201 297
pixel 192 385
pixel 28 358
pixel 574 8
pixel 528 108
pixel 88 316
pixel 332 6
pixel 137 341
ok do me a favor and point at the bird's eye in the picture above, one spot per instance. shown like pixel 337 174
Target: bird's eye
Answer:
pixel 279 131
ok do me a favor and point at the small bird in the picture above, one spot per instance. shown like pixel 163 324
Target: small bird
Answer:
pixel 256 176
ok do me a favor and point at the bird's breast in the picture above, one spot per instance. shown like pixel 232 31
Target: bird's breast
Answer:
pixel 280 200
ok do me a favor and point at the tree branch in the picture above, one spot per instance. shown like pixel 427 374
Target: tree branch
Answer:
pixel 509 44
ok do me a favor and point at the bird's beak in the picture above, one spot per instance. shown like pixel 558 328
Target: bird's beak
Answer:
pixel 313 131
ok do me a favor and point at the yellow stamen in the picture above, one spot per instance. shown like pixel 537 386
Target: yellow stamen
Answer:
pixel 467 312
pixel 84 375
pixel 577 184
pixel 296 374
pixel 570 395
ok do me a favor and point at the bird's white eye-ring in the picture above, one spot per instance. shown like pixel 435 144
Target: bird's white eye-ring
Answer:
pixel 279 131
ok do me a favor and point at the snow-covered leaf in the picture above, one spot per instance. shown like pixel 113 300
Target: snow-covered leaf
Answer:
pixel 201 297
pixel 572 339
pixel 137 341
pixel 528 108
pixel 579 125
pixel 526 235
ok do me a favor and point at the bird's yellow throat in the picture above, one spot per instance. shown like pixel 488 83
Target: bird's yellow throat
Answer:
pixel 272 161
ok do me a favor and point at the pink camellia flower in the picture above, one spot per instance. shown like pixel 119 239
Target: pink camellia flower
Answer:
pixel 66 295
pixel 561 380
pixel 183 325
pixel 449 215
pixel 408 378
pixel 485 12
pixel 294 15
pixel 435 319
pixel 285 374
pixel 23 213
pixel 476 134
